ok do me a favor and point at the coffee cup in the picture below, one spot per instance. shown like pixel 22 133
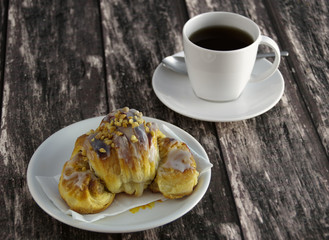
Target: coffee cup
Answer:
pixel 220 51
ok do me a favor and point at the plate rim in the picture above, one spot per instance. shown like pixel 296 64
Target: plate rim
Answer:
pixel 34 187
pixel 217 118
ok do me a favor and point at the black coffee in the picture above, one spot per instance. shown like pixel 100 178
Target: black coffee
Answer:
pixel 221 38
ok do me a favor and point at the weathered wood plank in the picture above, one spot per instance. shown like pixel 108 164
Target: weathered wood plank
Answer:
pixel 305 31
pixel 3 34
pixel 277 166
pixel 136 37
pixel 54 76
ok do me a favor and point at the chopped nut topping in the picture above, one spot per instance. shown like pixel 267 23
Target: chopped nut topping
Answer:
pixel 90 132
pixel 133 138
pixel 114 124
pixel 125 109
pixel 112 129
pixel 117 114
pixel 102 150
pixel 98 135
pixel 118 133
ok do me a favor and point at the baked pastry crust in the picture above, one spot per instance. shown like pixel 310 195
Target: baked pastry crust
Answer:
pixel 123 155
pixel 80 188
pixel 129 161
pixel 177 175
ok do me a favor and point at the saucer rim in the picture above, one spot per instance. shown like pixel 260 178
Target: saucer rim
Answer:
pixel 217 118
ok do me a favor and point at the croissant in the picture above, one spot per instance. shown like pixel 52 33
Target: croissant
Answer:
pixel 124 151
pixel 81 189
pixel 123 155
pixel 177 175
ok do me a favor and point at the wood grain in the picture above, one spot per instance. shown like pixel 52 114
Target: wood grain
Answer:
pixel 54 76
pixel 304 31
pixel 3 35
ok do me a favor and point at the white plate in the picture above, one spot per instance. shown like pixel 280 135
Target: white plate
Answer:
pixel 174 90
pixel 51 155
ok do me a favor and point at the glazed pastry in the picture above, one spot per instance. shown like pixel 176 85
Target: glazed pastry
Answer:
pixel 79 187
pixel 177 175
pixel 123 155
pixel 124 151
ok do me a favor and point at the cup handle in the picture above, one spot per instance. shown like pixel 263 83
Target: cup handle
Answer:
pixel 270 43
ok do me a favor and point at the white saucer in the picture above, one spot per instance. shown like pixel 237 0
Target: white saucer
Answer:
pixel 51 155
pixel 174 90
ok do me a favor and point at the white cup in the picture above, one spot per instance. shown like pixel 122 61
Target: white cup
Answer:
pixel 222 75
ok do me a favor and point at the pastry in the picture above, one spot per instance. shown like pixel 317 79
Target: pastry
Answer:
pixel 124 151
pixel 123 155
pixel 177 175
pixel 81 189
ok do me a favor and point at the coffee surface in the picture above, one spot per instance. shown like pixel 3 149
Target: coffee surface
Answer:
pixel 221 38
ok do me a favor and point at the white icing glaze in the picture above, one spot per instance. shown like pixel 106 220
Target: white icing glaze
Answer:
pixel 153 150
pixel 153 153
pixel 141 135
pixel 178 159
pixel 127 149
pixel 123 147
pixel 77 177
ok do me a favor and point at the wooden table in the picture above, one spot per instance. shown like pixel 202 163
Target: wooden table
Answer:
pixel 64 61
